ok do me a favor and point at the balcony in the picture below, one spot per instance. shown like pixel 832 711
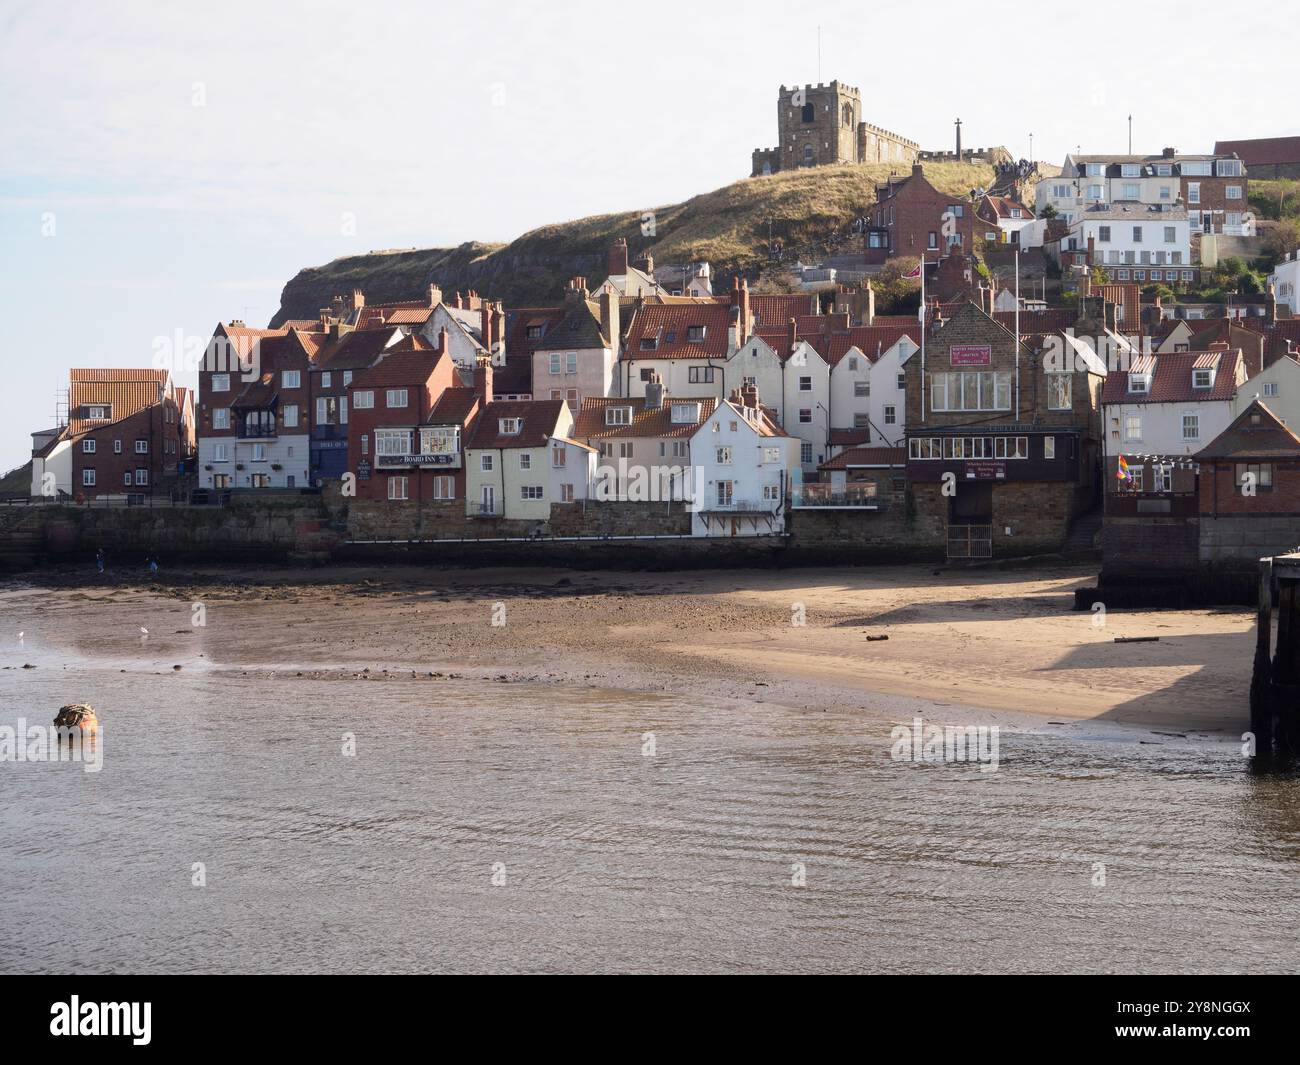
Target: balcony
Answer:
pixel 740 506
pixel 485 510
pixel 1134 504
pixel 850 497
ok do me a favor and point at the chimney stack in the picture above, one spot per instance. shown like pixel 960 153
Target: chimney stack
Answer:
pixel 499 327
pixel 358 299
pixel 483 379
pixel 444 341
pixel 749 396
pixel 485 327
pixel 869 312
pixel 435 295
pixel 618 257
pixel 792 336
pixel 654 391
pixel 609 319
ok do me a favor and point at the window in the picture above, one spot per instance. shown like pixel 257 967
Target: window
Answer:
pixel 393 442
pixel 396 397
pixel 566 493
pixel 365 444
pixel 343 410
pixel 1059 391
pixel 1270 388
pixel 1228 167
pixel 325 380
pixel 1166 192
pixel 861 389
pixel 533 332
pixel 902 381
pixel 1191 426
pixel 554 362
pixel 618 415
pixel 1131 191
pixel 557 393
pixel 572 400
pixel 932 240
pixel 1139 383
pixel 325 410
pixel 293 379
pixel 724 493
pixel 444 487
pixel 1103 234
pixel 700 375
pixel 1202 378
pixel 985 390
pixel 722 456
pixel 221 382
pixel 890 418
pixel 291 416
pixel 510 426
pixel 485 462
pixel 397 488
pixel 126 479
pixel 805 415
pixel 1095 192
pixel 525 460
pixel 861 421
pixel 771 454
pixel 805 452
pixel 1137 234
pixel 440 440
pixel 1232 192
pixel 695 333
pixel 141 477
pixel 117 447
pixel 1193 192
pixel 531 492
pixel 853 365
pixel 571 362
pixel 259 452
pixel 363 399
pixel 88 478
pixel 1133 427
pixel 88 446
pixel 347 378
pixel 1261 474
pixel 142 447
pixel 805 384
pixel 1049 447
pixel 1163 476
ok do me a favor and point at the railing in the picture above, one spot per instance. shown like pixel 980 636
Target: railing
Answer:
pixel 970 541
pixel 825 495
pixel 741 506
pixel 1130 504
pixel 486 510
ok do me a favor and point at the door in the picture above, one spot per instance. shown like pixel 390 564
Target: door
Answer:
pixel 488 503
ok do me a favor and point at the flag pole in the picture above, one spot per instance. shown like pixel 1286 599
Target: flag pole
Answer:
pixel 1017 332
pixel 920 314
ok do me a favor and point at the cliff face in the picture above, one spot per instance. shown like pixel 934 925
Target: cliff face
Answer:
pixel 809 213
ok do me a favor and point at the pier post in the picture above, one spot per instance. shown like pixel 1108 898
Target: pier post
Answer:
pixel 1261 681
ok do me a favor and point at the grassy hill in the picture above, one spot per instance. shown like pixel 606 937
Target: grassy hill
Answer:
pixel 17 481
pixel 810 211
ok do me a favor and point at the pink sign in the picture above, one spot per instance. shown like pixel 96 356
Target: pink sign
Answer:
pixel 970 354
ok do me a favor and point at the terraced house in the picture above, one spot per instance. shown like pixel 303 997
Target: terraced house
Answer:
pixel 124 436
pixel 507 459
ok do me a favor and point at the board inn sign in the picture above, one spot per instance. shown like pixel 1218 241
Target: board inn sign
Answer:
pixel 970 354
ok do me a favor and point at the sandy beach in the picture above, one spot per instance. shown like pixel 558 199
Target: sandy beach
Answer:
pixel 997 640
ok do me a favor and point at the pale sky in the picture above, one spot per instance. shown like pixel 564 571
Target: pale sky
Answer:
pixel 186 159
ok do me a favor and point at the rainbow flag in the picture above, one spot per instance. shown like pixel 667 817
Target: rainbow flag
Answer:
pixel 1122 471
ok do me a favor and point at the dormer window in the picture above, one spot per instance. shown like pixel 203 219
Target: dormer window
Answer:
pixel 510 426
pixel 685 413
pixel 533 332
pixel 670 337
pixel 97 414
pixel 618 416
pixel 649 343
pixel 1202 378
pixel 695 334
pixel 1139 383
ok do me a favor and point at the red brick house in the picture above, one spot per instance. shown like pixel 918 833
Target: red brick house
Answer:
pixel 124 435
pixel 392 450
pixel 908 219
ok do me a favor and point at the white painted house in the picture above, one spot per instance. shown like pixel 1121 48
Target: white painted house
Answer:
pixel 1128 239
pixel 743 463
pixel 1285 283
pixel 1167 407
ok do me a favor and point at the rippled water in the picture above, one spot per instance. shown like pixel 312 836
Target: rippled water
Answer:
pixel 613 860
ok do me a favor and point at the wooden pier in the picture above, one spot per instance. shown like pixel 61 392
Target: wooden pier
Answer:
pixel 1275 683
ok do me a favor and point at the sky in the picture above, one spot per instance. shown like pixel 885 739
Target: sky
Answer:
pixel 166 166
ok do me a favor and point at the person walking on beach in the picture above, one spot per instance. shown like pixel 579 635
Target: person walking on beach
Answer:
pixel 153 564
pixel 99 559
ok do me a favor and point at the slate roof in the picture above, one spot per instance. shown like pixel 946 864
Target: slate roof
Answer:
pixel 454 406
pixel 518 322
pixel 578 329
pixel 354 350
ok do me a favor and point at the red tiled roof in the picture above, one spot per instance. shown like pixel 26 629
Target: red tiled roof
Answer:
pixel 866 456
pixel 849 437
pixel 654 422
pixel 872 341
pixel 410 367
pixel 124 392
pixel 669 326
pixel 1262 151
pixel 772 311
pixel 353 350
pixel 1171 378
pixel 539 419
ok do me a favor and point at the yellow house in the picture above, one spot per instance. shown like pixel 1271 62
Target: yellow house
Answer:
pixel 507 458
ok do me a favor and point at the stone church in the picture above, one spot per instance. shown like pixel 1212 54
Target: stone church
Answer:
pixel 819 125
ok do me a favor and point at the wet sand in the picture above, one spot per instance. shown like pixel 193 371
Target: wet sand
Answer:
pixel 994 640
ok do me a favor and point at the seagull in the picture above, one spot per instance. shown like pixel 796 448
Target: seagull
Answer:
pixel 143 631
